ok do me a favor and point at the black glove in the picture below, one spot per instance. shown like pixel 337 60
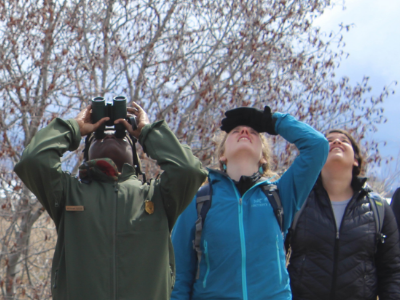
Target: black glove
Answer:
pixel 259 120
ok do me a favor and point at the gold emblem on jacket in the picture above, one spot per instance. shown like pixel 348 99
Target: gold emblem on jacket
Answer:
pixel 149 207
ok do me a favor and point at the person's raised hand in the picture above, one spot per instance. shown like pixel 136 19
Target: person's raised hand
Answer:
pixel 85 122
pixel 141 119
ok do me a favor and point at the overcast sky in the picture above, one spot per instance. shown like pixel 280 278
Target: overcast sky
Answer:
pixel 374 47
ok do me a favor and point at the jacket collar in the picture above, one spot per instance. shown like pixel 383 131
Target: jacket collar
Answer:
pixel 217 175
pixel 359 184
pixel 104 170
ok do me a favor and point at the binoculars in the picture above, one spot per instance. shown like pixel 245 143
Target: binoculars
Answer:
pixel 116 110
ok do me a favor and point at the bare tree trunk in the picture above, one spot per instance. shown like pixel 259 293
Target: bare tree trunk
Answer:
pixel 28 214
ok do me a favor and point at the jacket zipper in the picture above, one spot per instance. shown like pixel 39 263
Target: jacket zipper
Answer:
pixel 336 247
pixel 208 264
pixel 242 242
pixel 243 248
pixel 242 236
pixel 115 241
pixel 278 260
pixel 335 256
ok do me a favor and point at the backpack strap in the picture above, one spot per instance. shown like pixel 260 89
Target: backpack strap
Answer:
pixel 271 191
pixel 203 204
pixel 378 209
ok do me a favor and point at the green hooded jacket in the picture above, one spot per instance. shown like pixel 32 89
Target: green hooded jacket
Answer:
pixel 108 246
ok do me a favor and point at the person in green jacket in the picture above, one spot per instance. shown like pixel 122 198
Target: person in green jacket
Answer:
pixel 113 230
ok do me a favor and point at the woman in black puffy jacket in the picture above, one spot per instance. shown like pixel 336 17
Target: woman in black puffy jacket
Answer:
pixel 337 251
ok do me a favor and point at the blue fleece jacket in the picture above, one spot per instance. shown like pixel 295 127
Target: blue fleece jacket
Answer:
pixel 243 254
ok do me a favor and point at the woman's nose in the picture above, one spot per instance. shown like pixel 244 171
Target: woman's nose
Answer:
pixel 244 130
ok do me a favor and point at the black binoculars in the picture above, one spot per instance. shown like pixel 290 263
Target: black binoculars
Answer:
pixel 116 110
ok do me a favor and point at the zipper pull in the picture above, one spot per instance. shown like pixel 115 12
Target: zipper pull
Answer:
pixel 383 237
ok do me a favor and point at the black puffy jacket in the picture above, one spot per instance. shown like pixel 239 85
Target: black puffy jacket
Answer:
pixel 349 264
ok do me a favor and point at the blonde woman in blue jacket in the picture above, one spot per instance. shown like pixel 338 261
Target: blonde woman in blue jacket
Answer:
pixel 242 252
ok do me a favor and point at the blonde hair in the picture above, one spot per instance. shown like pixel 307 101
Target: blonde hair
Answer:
pixel 265 149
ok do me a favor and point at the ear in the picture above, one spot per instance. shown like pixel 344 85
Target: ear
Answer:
pixel 355 162
pixel 222 159
pixel 263 161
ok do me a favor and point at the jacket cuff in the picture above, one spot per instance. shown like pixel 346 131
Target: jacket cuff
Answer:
pixel 145 132
pixel 75 133
pixel 277 118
